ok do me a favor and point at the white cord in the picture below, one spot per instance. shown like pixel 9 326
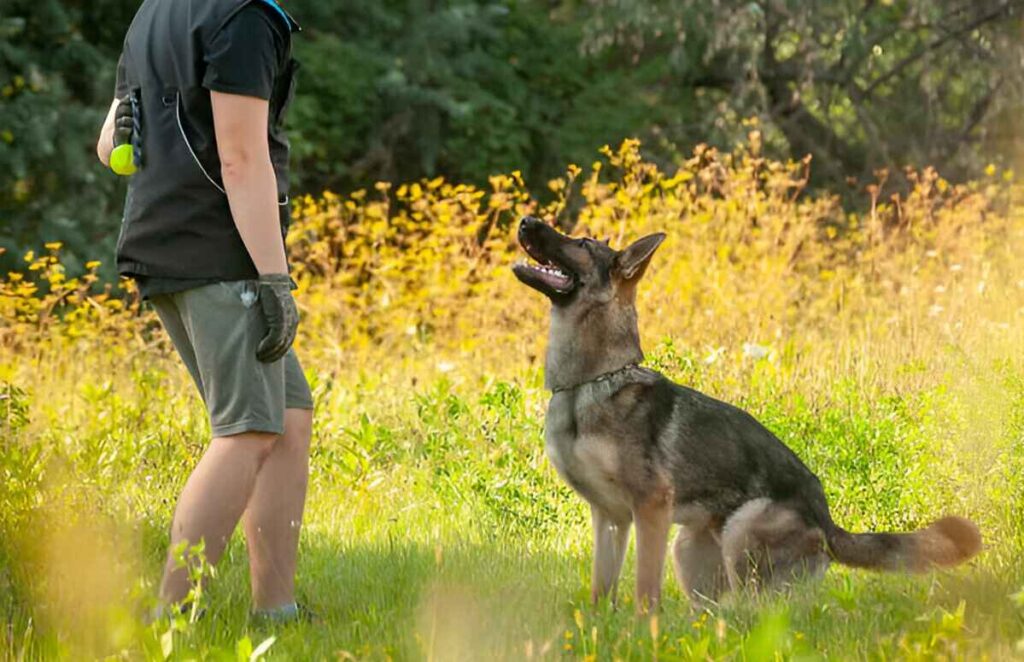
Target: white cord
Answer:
pixel 181 129
pixel 177 114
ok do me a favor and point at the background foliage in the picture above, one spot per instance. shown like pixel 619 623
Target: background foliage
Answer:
pixel 397 90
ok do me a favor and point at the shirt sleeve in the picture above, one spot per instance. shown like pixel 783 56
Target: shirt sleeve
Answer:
pixel 244 57
pixel 121 85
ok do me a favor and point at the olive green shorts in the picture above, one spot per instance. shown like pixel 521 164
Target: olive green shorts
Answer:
pixel 216 329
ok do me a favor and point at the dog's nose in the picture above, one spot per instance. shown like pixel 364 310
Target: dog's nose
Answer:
pixel 526 222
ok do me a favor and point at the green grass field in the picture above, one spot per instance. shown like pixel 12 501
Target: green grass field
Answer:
pixel 437 530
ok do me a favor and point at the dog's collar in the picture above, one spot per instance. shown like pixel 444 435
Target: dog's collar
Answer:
pixel 600 378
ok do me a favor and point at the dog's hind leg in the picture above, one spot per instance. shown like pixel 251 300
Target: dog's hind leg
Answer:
pixel 740 544
pixel 766 542
pixel 697 557
pixel 610 541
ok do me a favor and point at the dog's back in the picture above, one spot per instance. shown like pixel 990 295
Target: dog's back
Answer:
pixel 724 460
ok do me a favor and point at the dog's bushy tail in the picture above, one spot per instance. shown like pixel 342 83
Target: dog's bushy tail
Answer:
pixel 945 543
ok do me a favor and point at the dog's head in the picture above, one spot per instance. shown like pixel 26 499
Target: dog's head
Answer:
pixel 572 271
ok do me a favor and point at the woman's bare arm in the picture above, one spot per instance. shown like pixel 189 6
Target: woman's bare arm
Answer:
pixel 240 123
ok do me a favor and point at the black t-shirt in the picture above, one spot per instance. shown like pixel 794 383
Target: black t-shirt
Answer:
pixel 246 57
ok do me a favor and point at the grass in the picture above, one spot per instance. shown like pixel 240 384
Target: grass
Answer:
pixel 437 530
pixel 885 350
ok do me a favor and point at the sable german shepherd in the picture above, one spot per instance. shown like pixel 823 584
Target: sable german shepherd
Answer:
pixel 642 449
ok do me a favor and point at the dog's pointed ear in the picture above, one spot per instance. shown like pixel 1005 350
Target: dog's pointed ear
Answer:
pixel 632 262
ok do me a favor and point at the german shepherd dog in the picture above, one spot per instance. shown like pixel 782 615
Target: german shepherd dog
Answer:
pixel 643 450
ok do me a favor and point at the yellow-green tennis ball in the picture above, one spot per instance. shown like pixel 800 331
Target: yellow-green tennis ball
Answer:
pixel 122 160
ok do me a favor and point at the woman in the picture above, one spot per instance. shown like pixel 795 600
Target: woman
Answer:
pixel 202 90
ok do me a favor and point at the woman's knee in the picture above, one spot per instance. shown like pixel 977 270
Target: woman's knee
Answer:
pixel 298 428
pixel 255 446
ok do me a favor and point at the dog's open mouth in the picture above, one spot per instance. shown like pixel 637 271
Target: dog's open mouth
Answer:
pixel 543 269
pixel 549 274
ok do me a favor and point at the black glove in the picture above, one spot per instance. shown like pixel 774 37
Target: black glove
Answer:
pixel 124 123
pixel 278 306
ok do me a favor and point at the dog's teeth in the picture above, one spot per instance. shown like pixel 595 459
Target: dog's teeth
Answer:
pixel 544 268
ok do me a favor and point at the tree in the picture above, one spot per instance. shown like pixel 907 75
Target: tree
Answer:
pixel 857 84
pixel 56 82
pixel 389 90
pixel 402 89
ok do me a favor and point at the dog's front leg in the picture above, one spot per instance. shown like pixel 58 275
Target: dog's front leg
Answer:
pixel 610 541
pixel 653 517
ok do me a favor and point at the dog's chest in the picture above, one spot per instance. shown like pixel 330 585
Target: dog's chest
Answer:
pixel 589 461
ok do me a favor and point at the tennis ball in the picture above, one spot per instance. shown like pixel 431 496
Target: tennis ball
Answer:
pixel 122 160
